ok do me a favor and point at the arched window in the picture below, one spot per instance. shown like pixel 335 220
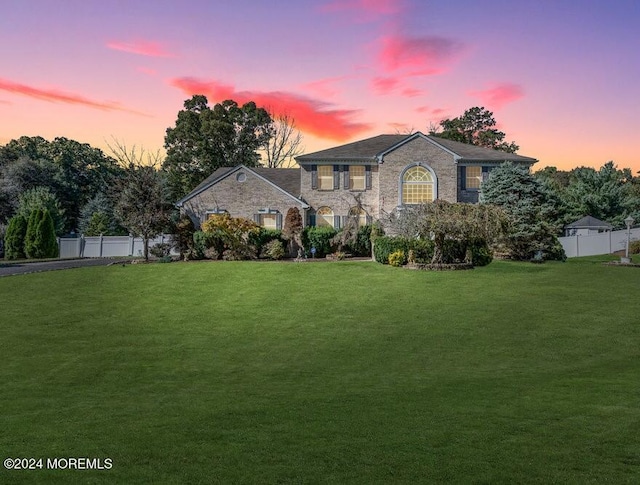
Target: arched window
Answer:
pixel 417 186
pixel 324 217
pixel 360 214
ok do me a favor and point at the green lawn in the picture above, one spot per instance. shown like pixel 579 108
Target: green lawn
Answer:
pixel 348 372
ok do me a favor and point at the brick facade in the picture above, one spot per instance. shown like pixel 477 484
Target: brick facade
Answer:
pixel 240 198
pixel 386 158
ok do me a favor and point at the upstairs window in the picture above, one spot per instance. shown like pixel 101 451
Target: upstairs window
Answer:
pixel 357 177
pixel 325 177
pixel 417 186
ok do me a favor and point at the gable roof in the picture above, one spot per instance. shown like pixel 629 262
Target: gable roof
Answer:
pixel 589 222
pixel 286 180
pixel 372 149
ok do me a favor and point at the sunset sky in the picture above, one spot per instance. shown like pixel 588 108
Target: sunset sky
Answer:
pixel 561 76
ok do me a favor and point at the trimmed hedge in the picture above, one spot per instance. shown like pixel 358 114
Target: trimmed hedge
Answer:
pixel 422 249
pixel 386 245
pixel 319 238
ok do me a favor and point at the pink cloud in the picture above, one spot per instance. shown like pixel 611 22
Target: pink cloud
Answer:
pixel 500 95
pixel 418 56
pixel 140 47
pixel 411 92
pixel 146 70
pixel 311 115
pixel 365 9
pixel 324 87
pixel 56 96
pixel 384 85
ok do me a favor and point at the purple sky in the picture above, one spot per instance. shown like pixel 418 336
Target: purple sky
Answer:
pixel 561 76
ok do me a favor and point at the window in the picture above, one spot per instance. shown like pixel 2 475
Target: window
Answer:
pixel 360 214
pixel 325 177
pixel 324 217
pixel 214 212
pixel 473 177
pixel 241 177
pixel 269 221
pixel 268 218
pixel 417 186
pixel 357 177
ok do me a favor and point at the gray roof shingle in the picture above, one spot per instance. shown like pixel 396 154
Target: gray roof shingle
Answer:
pixel 370 148
pixel 288 179
pixel 589 222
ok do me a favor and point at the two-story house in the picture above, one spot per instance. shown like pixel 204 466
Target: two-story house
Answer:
pixel 378 174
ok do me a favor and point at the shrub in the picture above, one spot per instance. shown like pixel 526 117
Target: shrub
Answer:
pixel 261 238
pixel 202 241
pixel 184 231
pixel 40 240
pixel 397 258
pixel 239 253
pixel 634 247
pixel 160 250
pixel 274 249
pixel 319 238
pixel 230 236
pixel 97 224
pixel 385 245
pixel 481 255
pixel 362 244
pixel 14 238
pixel 422 250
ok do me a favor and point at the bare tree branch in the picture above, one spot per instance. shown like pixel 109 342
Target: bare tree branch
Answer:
pixel 285 143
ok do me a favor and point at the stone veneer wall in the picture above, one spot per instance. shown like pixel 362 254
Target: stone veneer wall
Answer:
pixel 425 152
pixel 239 199
pixel 340 200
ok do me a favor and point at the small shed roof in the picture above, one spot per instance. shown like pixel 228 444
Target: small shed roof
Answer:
pixel 589 222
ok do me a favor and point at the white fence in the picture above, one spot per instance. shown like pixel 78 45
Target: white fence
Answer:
pixel 107 246
pixel 595 244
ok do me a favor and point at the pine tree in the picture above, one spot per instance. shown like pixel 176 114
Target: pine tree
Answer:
pixel 14 238
pixel 30 235
pixel 40 239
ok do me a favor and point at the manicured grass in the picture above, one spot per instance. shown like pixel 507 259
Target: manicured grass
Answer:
pixel 346 372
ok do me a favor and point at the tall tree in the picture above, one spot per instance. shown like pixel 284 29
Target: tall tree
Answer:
pixel 73 171
pixel 141 202
pixel 285 142
pixel 607 194
pixel 531 208
pixel 205 139
pixel 476 126
pixel 42 198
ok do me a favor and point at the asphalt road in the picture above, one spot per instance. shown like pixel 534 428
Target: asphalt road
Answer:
pixel 9 269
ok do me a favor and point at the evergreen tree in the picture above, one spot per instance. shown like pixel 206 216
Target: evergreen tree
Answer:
pixel 532 210
pixel 30 235
pixel 476 126
pixel 14 238
pixel 42 198
pixel 45 244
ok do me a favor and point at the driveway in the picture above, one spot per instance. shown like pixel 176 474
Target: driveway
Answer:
pixel 9 269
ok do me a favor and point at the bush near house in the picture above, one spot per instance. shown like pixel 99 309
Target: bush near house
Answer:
pixel 263 237
pixel 454 251
pixel 634 247
pixel 320 238
pixel 386 245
